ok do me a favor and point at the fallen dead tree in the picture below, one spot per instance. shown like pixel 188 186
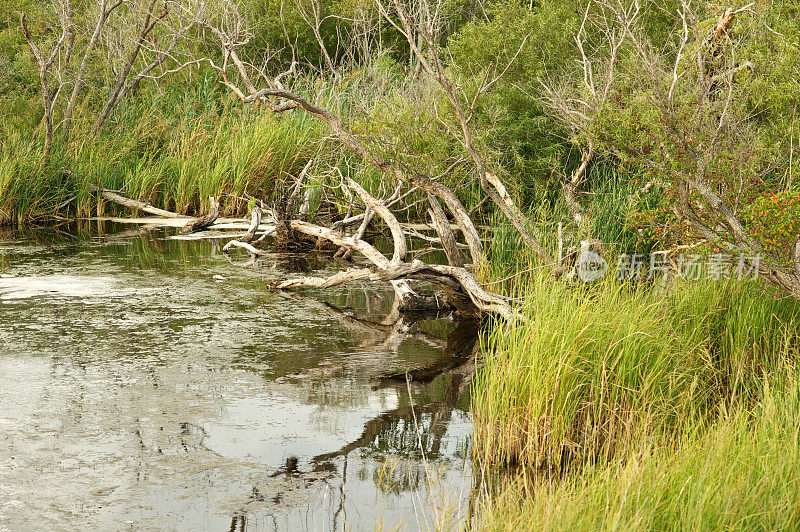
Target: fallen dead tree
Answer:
pixel 132 204
pixel 462 290
pixel 459 287
pixel 192 226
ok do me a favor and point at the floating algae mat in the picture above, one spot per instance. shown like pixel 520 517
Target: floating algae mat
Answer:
pixel 156 384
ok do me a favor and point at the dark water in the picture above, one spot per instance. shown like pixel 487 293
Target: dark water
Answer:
pixel 138 392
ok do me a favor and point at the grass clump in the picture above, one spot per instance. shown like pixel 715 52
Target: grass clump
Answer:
pixel 172 149
pixel 596 372
pixel 645 406
pixel 738 473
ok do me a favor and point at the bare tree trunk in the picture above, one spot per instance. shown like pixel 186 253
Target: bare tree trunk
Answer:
pixel 133 204
pixel 120 83
pixel 76 89
pixel 445 233
pixel 44 64
pixel 204 221
pixel 570 188
pixel 797 259
pixel 255 221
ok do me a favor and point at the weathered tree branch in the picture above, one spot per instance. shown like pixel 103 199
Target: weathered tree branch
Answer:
pixel 121 84
pixel 133 204
pixel 445 232
pixel 255 221
pixel 489 182
pixel 570 188
pixel 204 221
pixel 797 259
pixel 243 245
pixel 450 277
pixel 398 236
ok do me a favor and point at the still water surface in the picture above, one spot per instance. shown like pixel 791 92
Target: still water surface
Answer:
pixel 140 393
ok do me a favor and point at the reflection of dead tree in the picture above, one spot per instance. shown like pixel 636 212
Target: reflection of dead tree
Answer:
pixel 459 353
pixel 385 336
pixel 123 236
pixel 458 360
pixel 461 349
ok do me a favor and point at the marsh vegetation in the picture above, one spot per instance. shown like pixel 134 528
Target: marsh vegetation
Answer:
pixel 474 156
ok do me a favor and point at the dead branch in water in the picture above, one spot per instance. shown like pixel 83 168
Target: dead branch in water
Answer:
pixel 243 245
pixel 461 287
pixel 245 241
pixel 255 221
pixel 204 221
pixel 133 204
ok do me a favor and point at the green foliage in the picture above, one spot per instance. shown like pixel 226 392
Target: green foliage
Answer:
pixel 525 143
pixel 737 474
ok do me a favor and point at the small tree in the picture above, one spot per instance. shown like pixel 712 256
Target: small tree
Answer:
pixel 141 39
pixel 686 115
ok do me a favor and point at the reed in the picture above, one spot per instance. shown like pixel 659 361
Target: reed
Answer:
pixel 649 406
pixel 737 473
pixel 596 371
pixel 171 148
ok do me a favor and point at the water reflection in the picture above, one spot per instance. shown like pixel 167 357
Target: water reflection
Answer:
pixel 141 393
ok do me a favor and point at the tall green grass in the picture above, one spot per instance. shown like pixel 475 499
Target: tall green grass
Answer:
pixel 172 148
pixel 738 473
pixel 596 371
pixel 174 145
pixel 637 407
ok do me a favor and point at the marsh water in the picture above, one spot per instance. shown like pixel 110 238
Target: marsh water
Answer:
pixel 149 383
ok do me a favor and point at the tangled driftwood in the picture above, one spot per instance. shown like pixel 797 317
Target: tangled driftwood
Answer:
pixel 457 286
